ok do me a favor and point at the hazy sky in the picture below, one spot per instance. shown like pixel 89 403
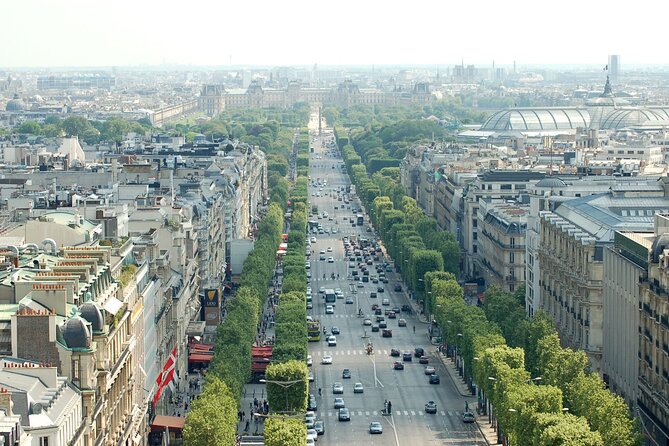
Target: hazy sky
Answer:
pixel 37 33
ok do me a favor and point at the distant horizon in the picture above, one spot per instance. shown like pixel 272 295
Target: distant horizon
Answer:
pixel 261 66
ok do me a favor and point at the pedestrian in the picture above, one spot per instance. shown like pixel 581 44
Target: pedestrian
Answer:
pixel 246 427
pixel 243 416
pixel 414 329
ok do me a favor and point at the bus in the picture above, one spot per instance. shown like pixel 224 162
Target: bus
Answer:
pixel 313 331
pixel 330 296
pixel 361 220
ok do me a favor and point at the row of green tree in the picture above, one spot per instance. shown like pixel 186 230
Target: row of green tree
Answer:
pixel 541 394
pixel 212 419
pixel 112 130
pixel 287 377
pixel 412 238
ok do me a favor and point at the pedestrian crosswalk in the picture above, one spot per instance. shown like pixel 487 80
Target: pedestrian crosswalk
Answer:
pixel 334 352
pixel 396 413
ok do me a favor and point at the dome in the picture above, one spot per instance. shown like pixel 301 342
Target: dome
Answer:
pixel 92 314
pixel 537 119
pixel 76 333
pixel 16 104
pixel 621 118
pixel 551 182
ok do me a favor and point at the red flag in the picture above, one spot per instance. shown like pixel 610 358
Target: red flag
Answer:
pixel 166 375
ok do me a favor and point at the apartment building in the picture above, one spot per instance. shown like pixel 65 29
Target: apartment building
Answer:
pixel 572 241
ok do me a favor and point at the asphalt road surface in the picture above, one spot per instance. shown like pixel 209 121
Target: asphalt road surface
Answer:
pixel 407 389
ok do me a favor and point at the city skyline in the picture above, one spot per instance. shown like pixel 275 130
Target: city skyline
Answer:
pixel 75 33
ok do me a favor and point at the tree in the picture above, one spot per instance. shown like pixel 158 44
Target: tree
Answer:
pixel 556 365
pixel 30 128
pixel 76 126
pixel 289 391
pixel 284 432
pixel 549 429
pixel 212 420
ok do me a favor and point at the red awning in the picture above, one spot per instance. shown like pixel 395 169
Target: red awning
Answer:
pixel 199 357
pixel 165 421
pixel 205 347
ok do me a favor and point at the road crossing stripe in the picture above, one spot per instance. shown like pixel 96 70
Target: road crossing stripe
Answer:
pixel 367 413
pixel 375 413
pixel 406 413
pixel 443 414
pixel 450 414
pixel 413 413
pixel 420 412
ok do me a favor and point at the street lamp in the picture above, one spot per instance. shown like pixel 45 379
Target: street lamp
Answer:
pixel 285 385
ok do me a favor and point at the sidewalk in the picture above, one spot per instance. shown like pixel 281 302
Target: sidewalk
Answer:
pixel 484 426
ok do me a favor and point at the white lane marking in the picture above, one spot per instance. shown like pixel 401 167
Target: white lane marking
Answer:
pixel 443 414
pixel 413 413
pixel 375 413
pixel 420 413
pixel 406 413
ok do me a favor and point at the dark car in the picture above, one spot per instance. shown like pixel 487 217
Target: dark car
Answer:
pixel 394 352
pixel 423 360
pixel 346 374
pixel 375 328
pixel 312 403
pixel 397 310
pixel 398 365
pixel 378 311
pixel 418 352
pixel 387 333
pixel 406 308
pixel 319 427
pixel 372 295
pixel 406 357
pixel 392 315
pixel 434 378
pixel 379 289
pixel 430 407
pixel 383 324
pixel 344 414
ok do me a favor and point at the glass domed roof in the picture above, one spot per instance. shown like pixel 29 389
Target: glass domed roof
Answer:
pixel 537 119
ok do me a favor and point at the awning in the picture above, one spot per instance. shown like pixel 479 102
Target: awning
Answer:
pixel 199 357
pixel 205 347
pixel 169 422
pixel 113 305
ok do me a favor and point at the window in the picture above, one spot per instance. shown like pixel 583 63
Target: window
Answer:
pixel 512 257
pixel 505 187
pixel 43 441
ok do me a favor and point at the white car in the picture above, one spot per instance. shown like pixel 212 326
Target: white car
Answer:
pixel 308 290
pixel 329 309
pixel 310 361
pixel 330 259
pixel 329 248
pixel 312 434
pixel 321 290
pixel 313 239
pixel 332 341
pixel 357 388
pixel 327 359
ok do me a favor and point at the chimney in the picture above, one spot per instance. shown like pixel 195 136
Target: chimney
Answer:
pixel 6 402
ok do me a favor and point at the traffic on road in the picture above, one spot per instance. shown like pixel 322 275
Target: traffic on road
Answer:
pixel 376 378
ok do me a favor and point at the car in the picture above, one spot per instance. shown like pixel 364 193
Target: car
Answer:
pixel 397 365
pixel 329 248
pixel 401 322
pixel 380 289
pixel 372 295
pixel 430 370
pixel 329 309
pixel 327 359
pixel 337 388
pixel 387 333
pixel 423 360
pixel 321 257
pixel 332 341
pixel 394 352
pixel 418 352
pixel 312 402
pixel 321 290
pixel 383 324
pixel 312 434
pixel 330 259
pixel 367 321
pixel 396 310
pixel 406 308
pixel 310 361
pixel 319 427
pixel 398 287
pixel 375 428
pixel 313 239
pixel 430 407
pixel 434 379
pixel 311 376
pixel 339 403
pixel 375 328
pixel 322 251
pixel 392 315
pixel 310 305
pixel 378 311
pixel 406 356
pixel 357 388
pixel 349 300
pixel 468 417
pixel 346 374
pixel 344 414
pixel 335 330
